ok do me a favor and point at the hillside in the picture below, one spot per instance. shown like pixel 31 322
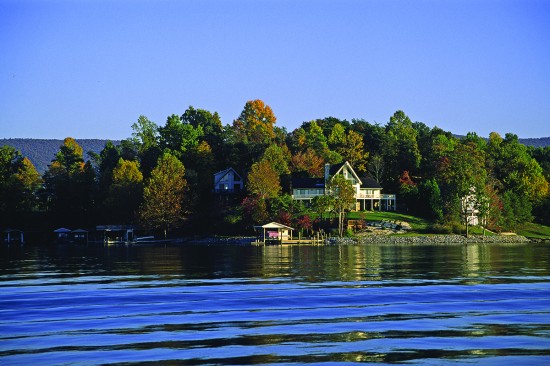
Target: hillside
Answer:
pixel 538 142
pixel 42 151
pixel 535 142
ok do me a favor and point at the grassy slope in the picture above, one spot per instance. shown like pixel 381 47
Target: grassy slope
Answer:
pixel 418 224
pixel 422 226
pixel 533 230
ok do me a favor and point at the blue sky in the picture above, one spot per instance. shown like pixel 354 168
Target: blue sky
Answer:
pixel 88 69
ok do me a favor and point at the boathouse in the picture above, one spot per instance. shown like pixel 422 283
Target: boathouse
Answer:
pixel 273 233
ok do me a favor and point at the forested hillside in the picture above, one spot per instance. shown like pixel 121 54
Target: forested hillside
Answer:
pixel 41 152
pixel 162 176
pixel 538 142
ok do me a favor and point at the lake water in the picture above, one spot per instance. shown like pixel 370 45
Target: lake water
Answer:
pixel 239 305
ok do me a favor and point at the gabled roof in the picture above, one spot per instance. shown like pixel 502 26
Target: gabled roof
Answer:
pixel 368 182
pixel 62 230
pixel 223 173
pixel 308 183
pixel 276 225
pixel 12 231
pixel 337 168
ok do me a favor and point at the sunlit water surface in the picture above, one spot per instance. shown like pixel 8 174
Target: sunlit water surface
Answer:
pixel 197 305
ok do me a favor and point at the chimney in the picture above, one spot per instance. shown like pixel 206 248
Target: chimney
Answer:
pixel 327 170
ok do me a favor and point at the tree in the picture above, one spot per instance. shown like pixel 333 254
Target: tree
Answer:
pixel 255 208
pixel 516 169
pixel 255 123
pixel 304 223
pixel 430 200
pixel 278 157
pixel 375 168
pixel 125 192
pixel 145 134
pixel 308 162
pixel 163 195
pixel 263 180
pixel 177 137
pixel 337 137
pixel 19 183
pixel 463 175
pixel 516 210
pixel 315 139
pixel 210 123
pixel 106 161
pixel 343 198
pixel 322 204
pixel 352 150
pixel 401 150
pixel 70 185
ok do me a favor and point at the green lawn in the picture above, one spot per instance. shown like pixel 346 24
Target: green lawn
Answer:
pixel 417 224
pixel 533 230
pixel 423 226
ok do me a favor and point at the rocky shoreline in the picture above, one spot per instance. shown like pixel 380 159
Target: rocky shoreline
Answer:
pixel 449 239
pixel 430 239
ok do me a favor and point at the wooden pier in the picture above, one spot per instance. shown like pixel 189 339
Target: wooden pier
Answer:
pixel 279 234
pixel 318 239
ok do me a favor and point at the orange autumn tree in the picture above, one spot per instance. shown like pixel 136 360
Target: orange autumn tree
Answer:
pixel 255 123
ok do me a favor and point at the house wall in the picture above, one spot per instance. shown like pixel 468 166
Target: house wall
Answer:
pixel 227 182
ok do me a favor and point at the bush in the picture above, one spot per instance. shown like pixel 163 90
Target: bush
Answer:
pixel 457 228
pixel 441 229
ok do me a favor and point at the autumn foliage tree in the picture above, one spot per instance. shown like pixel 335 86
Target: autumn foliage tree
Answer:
pixel 163 195
pixel 263 180
pixel 126 191
pixel 255 123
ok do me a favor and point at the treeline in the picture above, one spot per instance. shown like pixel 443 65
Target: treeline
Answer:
pixel 162 176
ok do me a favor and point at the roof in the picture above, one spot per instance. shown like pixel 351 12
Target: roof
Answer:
pixel 222 174
pixel 308 183
pixel 276 225
pixel 368 182
pixel 13 231
pixel 62 230
pixel 78 231
pixel 335 169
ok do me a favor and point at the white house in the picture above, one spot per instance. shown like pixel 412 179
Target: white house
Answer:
pixel 368 193
pixel 228 181
pixel 469 210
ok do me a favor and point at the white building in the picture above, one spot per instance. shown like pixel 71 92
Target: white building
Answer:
pixel 368 193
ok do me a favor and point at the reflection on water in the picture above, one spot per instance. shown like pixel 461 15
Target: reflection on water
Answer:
pixel 275 305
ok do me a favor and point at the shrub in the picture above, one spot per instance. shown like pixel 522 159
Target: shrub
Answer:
pixel 441 229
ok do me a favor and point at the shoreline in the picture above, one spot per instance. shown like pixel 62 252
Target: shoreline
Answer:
pixel 452 239
pixel 433 240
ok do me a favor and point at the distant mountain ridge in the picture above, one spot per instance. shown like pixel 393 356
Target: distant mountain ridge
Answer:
pixel 42 151
pixel 535 142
